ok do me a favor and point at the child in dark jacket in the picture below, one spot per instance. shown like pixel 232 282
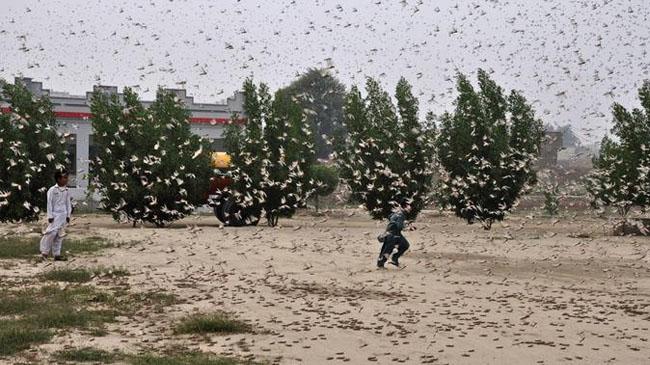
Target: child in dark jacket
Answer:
pixel 393 236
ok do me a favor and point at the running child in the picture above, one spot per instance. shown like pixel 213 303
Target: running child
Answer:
pixel 393 236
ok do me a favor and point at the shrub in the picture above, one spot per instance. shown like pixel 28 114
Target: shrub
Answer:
pixel 621 176
pixel 388 154
pixel 325 180
pixel 150 167
pixel 487 148
pixel 31 152
pixel 271 156
pixel 212 323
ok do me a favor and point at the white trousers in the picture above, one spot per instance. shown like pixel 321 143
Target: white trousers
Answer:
pixel 51 241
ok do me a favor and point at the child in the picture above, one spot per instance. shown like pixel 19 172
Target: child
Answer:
pixel 393 235
pixel 59 209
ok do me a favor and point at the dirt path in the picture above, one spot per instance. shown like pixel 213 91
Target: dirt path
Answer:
pixel 532 291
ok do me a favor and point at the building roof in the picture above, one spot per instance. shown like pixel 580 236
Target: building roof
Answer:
pixel 77 107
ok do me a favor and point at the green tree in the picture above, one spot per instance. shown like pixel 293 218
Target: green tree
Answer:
pixel 150 167
pixel 321 97
pixel 325 179
pixel 551 199
pixel 31 151
pixel 486 147
pixel 388 154
pixel 271 157
pixel 621 176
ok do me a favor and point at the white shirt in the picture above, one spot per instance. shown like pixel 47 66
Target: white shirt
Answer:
pixel 58 202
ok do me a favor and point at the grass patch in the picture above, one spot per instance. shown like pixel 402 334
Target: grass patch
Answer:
pixel 83 275
pixel 112 271
pixel 37 311
pixel 19 247
pixel 154 301
pixel 16 337
pixel 68 317
pixel 31 316
pixel 52 307
pixel 94 355
pixel 97 332
pixel 218 322
pixel 68 275
pixel 156 298
pixel 88 354
pixel 185 359
pixel 14 304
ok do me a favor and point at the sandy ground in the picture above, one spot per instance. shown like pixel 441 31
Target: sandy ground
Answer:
pixel 531 291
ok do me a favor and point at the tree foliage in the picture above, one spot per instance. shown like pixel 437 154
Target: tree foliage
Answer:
pixel 150 167
pixel 325 179
pixel 621 176
pixel 388 154
pixel 486 147
pixel 271 154
pixel 30 152
pixel 552 199
pixel 321 97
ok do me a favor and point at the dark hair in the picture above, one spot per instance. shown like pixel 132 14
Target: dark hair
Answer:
pixel 59 174
pixel 403 202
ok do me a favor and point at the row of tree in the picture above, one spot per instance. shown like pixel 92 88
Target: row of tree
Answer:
pixel 151 168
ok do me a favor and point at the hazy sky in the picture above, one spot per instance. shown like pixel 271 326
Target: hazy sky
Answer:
pixel 572 58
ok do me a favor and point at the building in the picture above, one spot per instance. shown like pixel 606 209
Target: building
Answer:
pixel 74 119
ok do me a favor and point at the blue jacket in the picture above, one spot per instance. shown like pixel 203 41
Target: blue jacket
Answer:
pixel 396 223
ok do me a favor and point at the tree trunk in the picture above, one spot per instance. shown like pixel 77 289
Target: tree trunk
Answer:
pixel 487 224
pixel 623 210
pixel 272 219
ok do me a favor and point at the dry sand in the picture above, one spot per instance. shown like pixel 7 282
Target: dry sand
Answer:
pixel 531 291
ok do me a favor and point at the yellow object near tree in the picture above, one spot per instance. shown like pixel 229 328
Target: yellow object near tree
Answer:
pixel 220 160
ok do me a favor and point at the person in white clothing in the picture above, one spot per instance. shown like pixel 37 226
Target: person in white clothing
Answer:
pixel 59 209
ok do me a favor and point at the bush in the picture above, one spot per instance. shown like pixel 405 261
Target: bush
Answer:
pixel 271 155
pixel 551 200
pixel 487 148
pixel 621 176
pixel 388 154
pixel 212 323
pixel 31 152
pixel 150 167
pixel 325 180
